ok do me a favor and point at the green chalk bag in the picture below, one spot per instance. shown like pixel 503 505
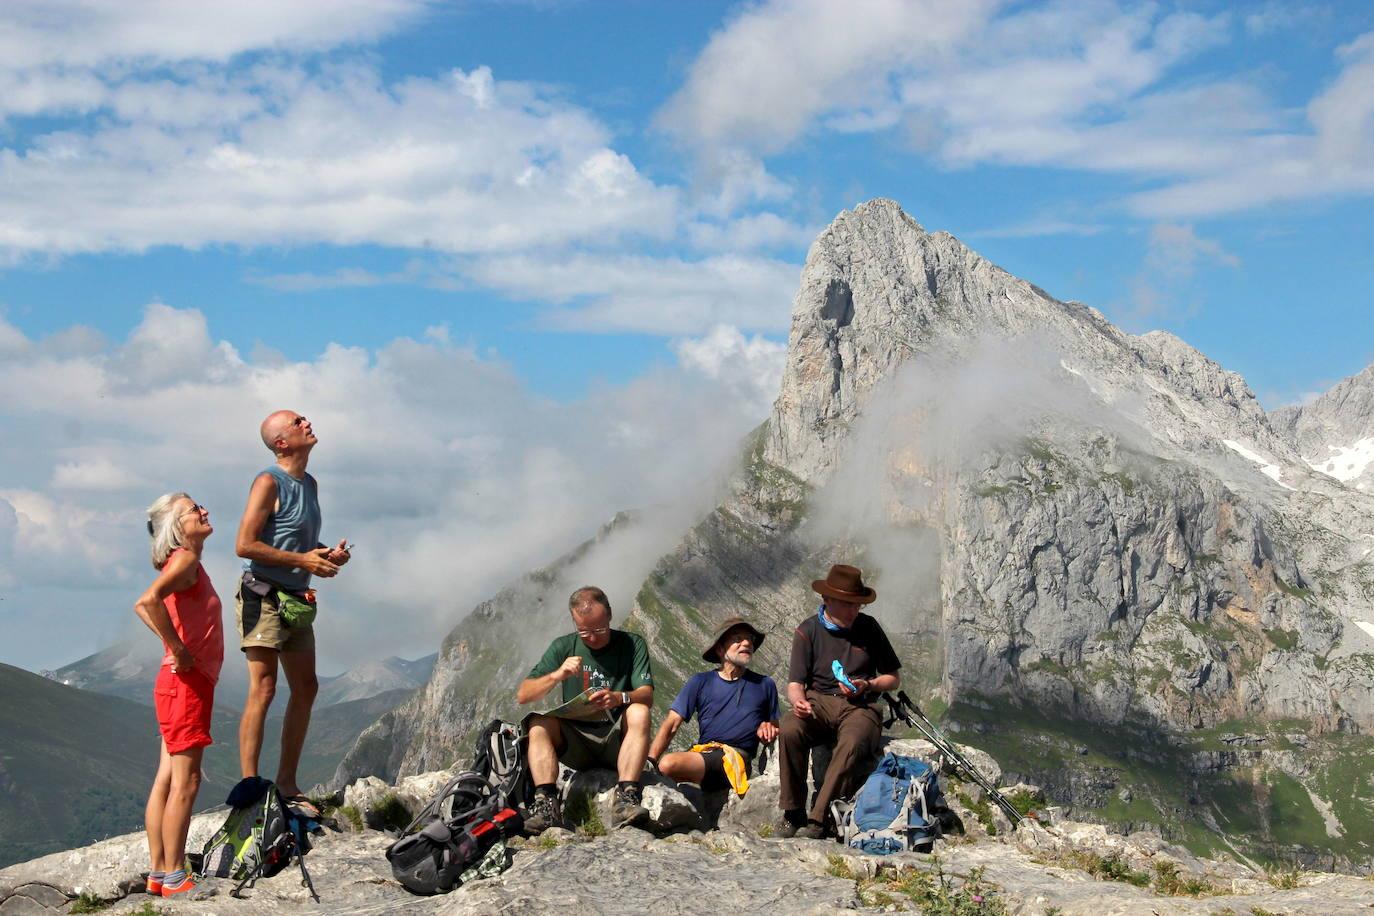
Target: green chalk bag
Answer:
pixel 295 610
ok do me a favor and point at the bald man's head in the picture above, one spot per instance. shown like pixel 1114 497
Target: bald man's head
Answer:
pixel 275 427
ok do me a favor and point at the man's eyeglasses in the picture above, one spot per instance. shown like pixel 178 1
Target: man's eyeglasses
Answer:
pixel 299 421
pixel 597 632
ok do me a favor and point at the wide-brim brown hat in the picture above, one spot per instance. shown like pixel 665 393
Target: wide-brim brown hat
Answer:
pixel 845 583
pixel 712 654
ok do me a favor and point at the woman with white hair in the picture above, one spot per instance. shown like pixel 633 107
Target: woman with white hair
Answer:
pixel 181 607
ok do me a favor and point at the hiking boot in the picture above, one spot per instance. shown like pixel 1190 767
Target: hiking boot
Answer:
pixel 543 812
pixel 626 810
pixel 185 886
pixel 812 831
pixel 787 826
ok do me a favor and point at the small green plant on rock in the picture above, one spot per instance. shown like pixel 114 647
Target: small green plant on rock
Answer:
pixel 765 830
pixel 838 866
pixel 391 814
pixel 148 910
pixel 1171 882
pixel 1025 802
pixel 981 810
pixel 88 903
pixel 582 814
pixel 939 894
pixel 352 815
pixel 1285 879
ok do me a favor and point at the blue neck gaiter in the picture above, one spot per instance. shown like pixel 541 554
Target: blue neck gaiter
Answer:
pixel 827 623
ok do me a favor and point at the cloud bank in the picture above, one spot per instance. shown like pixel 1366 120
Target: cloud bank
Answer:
pixel 451 478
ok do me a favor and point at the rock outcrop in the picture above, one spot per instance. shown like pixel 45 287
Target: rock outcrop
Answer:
pixel 1047 865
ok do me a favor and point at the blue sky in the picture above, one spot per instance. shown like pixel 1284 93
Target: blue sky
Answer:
pixel 580 205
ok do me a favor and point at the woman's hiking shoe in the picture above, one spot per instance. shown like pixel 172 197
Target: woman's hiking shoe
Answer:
pixel 154 884
pixel 186 885
pixel 626 809
pixel 787 826
pixel 544 812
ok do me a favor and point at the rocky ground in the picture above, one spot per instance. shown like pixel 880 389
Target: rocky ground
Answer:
pixel 1044 866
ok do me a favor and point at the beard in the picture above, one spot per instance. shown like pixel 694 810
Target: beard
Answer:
pixel 739 659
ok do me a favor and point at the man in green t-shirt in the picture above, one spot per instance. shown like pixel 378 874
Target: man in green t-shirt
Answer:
pixel 607 691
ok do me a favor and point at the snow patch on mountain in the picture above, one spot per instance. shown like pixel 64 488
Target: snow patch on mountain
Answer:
pixel 1267 467
pixel 1346 462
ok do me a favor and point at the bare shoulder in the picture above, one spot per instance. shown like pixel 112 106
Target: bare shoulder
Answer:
pixel 181 571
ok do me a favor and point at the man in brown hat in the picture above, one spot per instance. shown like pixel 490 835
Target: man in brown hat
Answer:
pixel 825 709
pixel 736 709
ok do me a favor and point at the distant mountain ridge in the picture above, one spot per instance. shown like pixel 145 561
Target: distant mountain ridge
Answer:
pixel 129 667
pixel 76 763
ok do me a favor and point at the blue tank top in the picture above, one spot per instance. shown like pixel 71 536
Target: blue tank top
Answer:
pixel 295 526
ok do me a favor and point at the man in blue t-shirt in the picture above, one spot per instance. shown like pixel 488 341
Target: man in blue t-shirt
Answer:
pixel 735 708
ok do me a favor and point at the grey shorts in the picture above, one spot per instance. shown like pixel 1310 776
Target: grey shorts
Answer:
pixel 586 748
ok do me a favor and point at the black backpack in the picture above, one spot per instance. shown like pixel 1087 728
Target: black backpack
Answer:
pixel 259 838
pixel 500 758
pixel 453 833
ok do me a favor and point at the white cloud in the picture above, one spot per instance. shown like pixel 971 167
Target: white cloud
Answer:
pixel 653 295
pixel 751 366
pixel 1177 249
pixel 71 34
pixel 459 163
pixel 1093 86
pixel 769 73
pixel 1164 284
pixel 751 232
pixel 449 475
pixel 1039 227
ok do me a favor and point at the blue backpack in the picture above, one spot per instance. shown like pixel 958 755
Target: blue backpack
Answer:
pixel 894 810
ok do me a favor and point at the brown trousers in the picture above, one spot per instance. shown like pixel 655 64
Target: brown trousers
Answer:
pixel 853 730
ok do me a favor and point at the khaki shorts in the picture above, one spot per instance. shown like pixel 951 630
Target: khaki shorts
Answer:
pixel 584 748
pixel 261 626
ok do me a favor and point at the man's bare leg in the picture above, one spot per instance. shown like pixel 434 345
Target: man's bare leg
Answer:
pixel 542 754
pixel 262 686
pixel 634 745
pixel 300 677
pixel 683 766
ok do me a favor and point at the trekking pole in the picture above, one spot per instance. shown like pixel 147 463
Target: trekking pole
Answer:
pixel 902 708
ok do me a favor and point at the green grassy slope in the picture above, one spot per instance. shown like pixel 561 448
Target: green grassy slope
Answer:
pixel 75 766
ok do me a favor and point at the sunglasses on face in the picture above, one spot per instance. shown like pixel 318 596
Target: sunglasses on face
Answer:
pixel 299 421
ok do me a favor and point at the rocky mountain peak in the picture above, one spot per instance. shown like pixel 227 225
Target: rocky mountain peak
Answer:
pixel 1335 433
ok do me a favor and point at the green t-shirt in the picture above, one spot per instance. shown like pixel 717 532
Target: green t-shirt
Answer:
pixel 621 665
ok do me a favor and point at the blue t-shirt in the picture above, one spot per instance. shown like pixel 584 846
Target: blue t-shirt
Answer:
pixel 729 711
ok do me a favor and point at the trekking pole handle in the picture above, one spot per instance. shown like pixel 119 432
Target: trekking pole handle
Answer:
pixel 901 696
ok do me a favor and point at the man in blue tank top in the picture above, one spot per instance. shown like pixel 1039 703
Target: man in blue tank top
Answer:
pixel 279 539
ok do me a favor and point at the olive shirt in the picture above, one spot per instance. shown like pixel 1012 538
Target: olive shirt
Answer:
pixel 863 649
pixel 621 665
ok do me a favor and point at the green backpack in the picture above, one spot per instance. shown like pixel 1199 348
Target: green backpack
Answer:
pixel 258 839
